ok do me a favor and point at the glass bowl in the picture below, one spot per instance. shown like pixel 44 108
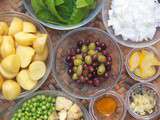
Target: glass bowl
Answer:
pixel 137 78
pixel 7 17
pixel 144 86
pixel 60 70
pixel 120 112
pixel 91 16
pixel 51 93
pixel 119 39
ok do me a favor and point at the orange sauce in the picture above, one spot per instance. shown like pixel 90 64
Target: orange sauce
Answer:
pixel 106 106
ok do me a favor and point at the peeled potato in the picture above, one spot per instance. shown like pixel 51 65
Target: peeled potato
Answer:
pixel 4 28
pixel 11 63
pixel 7 46
pixel 1 82
pixel 11 89
pixel 26 54
pixel 16 26
pixel 37 70
pixel 1 39
pixel 25 81
pixel 29 27
pixel 40 43
pixel 7 74
pixel 25 39
pixel 42 56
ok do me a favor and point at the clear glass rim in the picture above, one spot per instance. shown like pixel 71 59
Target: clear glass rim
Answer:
pixel 54 60
pixel 58 27
pixel 50 57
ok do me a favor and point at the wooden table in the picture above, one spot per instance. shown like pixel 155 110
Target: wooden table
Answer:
pixel 122 87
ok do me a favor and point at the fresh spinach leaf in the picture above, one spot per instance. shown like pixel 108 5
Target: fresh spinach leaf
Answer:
pixel 81 3
pixel 37 5
pixel 59 2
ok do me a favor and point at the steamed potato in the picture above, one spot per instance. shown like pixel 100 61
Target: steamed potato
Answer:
pixel 29 27
pixel 25 39
pixel 40 43
pixel 26 54
pixel 11 89
pixel 7 46
pixel 15 26
pixel 25 81
pixel 1 81
pixel 7 74
pixel 11 63
pixel 37 70
pixel 42 56
pixel 3 28
pixel 1 39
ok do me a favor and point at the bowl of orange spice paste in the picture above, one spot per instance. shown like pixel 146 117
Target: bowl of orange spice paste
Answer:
pixel 108 106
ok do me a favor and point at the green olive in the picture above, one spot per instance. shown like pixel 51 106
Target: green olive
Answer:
pixel 77 62
pixel 101 69
pixel 91 52
pixel 75 76
pixel 84 48
pixel 79 70
pixel 92 46
pixel 88 59
pixel 79 56
pixel 102 58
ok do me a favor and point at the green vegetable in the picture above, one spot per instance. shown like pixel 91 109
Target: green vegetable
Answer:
pixel 59 2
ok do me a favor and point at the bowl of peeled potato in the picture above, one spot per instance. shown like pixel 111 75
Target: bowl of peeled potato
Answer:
pixel 25 55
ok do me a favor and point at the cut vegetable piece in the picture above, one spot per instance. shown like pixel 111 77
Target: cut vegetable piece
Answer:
pixel 59 2
pixel 25 81
pixel 42 56
pixel 37 5
pixel 26 54
pixel 29 27
pixel 11 89
pixel 11 63
pixel 134 61
pixel 7 74
pixel 1 39
pixel 40 43
pixel 15 26
pixel 7 46
pixel 37 70
pixel 1 82
pixel 4 28
pixel 25 39
pixel 81 3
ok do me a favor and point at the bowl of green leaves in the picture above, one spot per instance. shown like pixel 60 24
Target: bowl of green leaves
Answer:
pixel 63 14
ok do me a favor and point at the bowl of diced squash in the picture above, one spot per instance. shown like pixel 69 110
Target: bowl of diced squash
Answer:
pixel 25 55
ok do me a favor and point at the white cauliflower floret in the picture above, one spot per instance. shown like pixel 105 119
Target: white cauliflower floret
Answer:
pixel 74 113
pixel 63 103
pixel 62 115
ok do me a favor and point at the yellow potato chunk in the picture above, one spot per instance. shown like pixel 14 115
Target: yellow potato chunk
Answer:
pixel 7 74
pixel 37 70
pixel 25 39
pixel 11 63
pixel 25 81
pixel 26 54
pixel 1 82
pixel 7 46
pixel 15 26
pixel 3 28
pixel 29 27
pixel 1 39
pixel 40 43
pixel 42 56
pixel 134 61
pixel 11 89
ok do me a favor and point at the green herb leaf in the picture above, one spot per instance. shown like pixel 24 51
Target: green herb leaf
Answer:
pixel 81 3
pixel 59 2
pixel 37 5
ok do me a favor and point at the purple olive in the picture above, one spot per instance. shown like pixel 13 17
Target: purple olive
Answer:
pixel 85 66
pixel 85 72
pixel 99 49
pixel 108 68
pixel 90 76
pixel 70 71
pixel 95 64
pixel 68 59
pixel 87 42
pixel 94 73
pixel 106 75
pixel 70 65
pixel 97 43
pixel 94 57
pixel 72 52
pixel 103 46
pixel 78 51
pixel 105 53
pixel 109 58
pixel 90 68
pixel 96 82
pixel 80 43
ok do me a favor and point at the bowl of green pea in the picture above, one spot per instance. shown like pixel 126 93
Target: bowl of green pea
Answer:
pixel 49 105
pixel 63 14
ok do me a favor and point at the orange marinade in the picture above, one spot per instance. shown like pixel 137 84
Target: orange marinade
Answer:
pixel 106 106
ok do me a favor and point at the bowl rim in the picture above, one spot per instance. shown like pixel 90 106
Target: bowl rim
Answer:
pixel 150 86
pixel 50 56
pixel 50 93
pixel 132 75
pixel 100 91
pixel 88 19
pixel 112 93
pixel 136 44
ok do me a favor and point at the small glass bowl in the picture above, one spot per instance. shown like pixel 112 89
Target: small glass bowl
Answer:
pixel 137 78
pixel 51 93
pixel 120 112
pixel 90 17
pixel 60 69
pixel 144 86
pixel 7 17
pixel 119 39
